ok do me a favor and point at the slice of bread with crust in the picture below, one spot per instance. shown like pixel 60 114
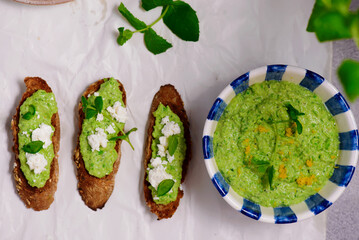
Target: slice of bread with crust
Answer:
pixel 95 191
pixel 33 197
pixel 168 96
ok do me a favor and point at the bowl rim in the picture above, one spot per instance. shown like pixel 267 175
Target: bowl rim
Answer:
pixel 348 136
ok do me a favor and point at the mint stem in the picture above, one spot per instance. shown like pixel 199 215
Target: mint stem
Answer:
pixel 156 21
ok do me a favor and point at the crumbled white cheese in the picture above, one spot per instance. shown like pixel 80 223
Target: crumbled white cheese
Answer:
pixel 98 139
pixel 96 94
pixel 157 175
pixel 118 112
pixel 88 95
pixel 99 117
pixel 43 134
pixel 169 157
pixel 110 129
pixel 170 128
pixel 36 162
pixel 165 120
pixel 155 162
pixel 156 198
pixel 164 141
pixel 161 150
pixel 38 116
pixel 180 187
pixel 25 133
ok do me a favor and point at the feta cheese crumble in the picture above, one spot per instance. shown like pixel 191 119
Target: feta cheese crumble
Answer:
pixel 96 94
pixel 97 140
pixel 170 128
pixel 157 175
pixel 43 134
pixel 118 112
pixel 36 162
pixel 110 129
pixel 99 117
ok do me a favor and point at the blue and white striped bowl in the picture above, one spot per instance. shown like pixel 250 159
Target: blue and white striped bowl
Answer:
pixel 348 136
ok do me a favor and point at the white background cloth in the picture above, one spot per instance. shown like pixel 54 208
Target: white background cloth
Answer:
pixel 73 45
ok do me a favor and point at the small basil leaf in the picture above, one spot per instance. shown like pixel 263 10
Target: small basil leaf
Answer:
pixel 135 22
pixel 172 144
pixel 99 104
pixel 164 187
pixel 30 113
pixel 89 113
pixel 124 35
pixel 155 43
pixel 182 20
pixel 299 126
pixel 348 73
pixel 151 4
pixel 33 147
pixel 84 103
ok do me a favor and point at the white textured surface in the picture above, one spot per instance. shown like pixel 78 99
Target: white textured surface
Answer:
pixel 73 45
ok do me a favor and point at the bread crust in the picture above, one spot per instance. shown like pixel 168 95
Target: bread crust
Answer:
pixel 168 96
pixel 95 191
pixel 33 197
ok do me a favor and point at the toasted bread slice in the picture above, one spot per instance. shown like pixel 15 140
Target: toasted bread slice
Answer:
pixel 33 197
pixel 168 96
pixel 95 191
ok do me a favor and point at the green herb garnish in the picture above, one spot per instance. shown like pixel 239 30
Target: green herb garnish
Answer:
pixel 178 16
pixel 124 136
pixel 293 115
pixel 164 187
pixel 33 147
pixel 30 113
pixel 91 110
pixel 333 20
pixel 172 144
pixel 262 169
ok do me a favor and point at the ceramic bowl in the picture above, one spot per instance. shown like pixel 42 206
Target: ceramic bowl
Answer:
pixel 348 136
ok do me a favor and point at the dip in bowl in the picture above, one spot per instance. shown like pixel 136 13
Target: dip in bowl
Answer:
pixel 280 144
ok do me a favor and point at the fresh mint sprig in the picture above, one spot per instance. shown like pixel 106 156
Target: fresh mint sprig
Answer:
pixel 164 187
pixel 293 115
pixel 264 170
pixel 124 136
pixel 91 110
pixel 178 16
pixel 33 147
pixel 333 20
pixel 30 113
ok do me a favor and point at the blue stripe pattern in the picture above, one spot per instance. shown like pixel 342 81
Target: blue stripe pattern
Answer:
pixel 317 203
pixel 241 83
pixel 342 175
pixel 275 72
pixel 221 185
pixel 207 145
pixel 311 80
pixel 348 140
pixel 251 209
pixel 217 109
pixel 337 104
pixel 284 215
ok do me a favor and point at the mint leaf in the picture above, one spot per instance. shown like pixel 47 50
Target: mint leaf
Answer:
pixel 124 136
pixel 164 187
pixel 89 113
pixel 135 22
pixel 318 9
pixel 155 43
pixel 84 102
pixel 299 126
pixel 124 35
pixel 182 20
pixel 348 73
pixel 33 147
pixel 151 4
pixel 172 144
pixel 98 104
pixel 30 113
pixel 332 26
pixel 293 115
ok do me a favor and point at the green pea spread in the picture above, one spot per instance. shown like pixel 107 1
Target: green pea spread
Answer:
pixel 100 163
pixel 255 135
pixel 173 168
pixel 45 106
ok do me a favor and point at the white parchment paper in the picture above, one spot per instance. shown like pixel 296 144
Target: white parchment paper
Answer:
pixel 73 45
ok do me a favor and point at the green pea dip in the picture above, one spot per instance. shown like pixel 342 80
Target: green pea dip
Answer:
pixel 256 133
pixel 45 106
pixel 100 163
pixel 173 168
